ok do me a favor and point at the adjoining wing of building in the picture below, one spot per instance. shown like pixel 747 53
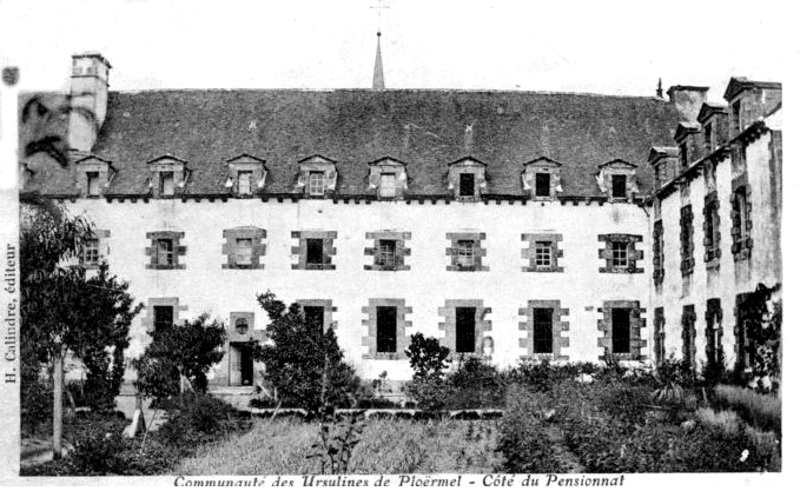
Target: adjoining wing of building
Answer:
pixel 508 224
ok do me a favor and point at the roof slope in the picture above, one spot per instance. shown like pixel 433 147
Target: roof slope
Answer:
pixel 424 128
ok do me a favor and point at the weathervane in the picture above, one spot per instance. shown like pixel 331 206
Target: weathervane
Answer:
pixel 380 7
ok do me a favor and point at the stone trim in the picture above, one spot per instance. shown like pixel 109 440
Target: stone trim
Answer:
pixel 740 232
pixel 93 164
pixel 401 252
pixel 328 251
pixel 659 335
pixel 687 240
pixel 658 252
pixel 249 335
pixel 633 254
pixel 103 250
pixel 688 335
pixel 482 325
pixel 714 330
pixel 637 323
pixel 467 166
pixel 148 318
pixel 177 249
pixel 326 304
pixel 317 163
pixel 479 252
pixel 617 167
pixel 529 252
pixel 229 246
pixel 559 326
pixel 370 341
pixel 542 165
pixel 711 231
pixel 388 165
pixel 167 164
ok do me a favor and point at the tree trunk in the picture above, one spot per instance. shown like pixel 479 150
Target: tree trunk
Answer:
pixel 58 404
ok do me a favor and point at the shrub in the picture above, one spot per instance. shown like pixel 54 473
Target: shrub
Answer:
pixel 523 441
pixel 760 410
pixel 427 357
pixel 542 375
pixel 36 406
pixel 198 418
pixel 475 384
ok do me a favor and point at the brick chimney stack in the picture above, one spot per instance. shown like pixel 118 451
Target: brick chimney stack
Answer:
pixel 687 100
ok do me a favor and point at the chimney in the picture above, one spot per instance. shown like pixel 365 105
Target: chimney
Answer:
pixel 687 100
pixel 88 99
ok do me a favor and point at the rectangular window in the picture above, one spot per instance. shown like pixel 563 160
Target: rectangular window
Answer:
pixel 315 317
pixel 660 333
pixel 619 254
pixel 465 329
pixel 163 317
pixel 684 155
pixel 466 184
pixel 465 253
pixel 314 251
pixel 316 183
pixel 387 252
pixel 542 184
pixel 740 215
pixel 167 183
pixel 244 252
pixel 387 329
pixel 93 183
pixel 707 136
pixel 620 330
pixel 166 253
pixel 388 186
pixel 737 116
pixel 544 253
pixel 245 178
pixel 542 330
pixel 618 186
pixel 91 252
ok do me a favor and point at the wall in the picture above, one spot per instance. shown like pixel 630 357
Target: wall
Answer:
pixel 204 286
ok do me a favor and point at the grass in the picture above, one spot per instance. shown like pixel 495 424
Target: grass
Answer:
pixel 760 410
pixel 387 446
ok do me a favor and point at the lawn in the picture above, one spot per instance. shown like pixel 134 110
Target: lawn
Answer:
pixel 387 446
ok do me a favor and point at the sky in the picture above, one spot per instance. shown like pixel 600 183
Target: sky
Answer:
pixel 608 47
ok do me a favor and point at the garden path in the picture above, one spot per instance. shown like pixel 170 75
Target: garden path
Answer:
pixel 563 454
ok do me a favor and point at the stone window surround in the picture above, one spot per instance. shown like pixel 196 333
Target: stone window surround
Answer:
pixel 103 249
pixel 148 319
pixel 659 335
pixel 328 309
pixel 247 232
pixel 167 164
pixel 246 163
pixel 742 243
pixel 388 165
pixel 370 341
pixel 152 251
pixel 714 328
pixel 687 240
pixel 711 223
pixel 479 252
pixel 559 326
pixel 448 327
pixel 328 250
pixel 542 165
pixel 91 163
pixel 658 252
pixel 689 334
pixel 636 325
pixel 633 254
pixel 529 252
pixel 401 251
pixel 615 168
pixel 317 163
pixel 470 166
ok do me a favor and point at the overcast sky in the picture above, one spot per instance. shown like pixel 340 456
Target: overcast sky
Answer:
pixel 603 47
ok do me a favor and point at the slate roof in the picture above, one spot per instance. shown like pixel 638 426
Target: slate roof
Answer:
pixel 424 128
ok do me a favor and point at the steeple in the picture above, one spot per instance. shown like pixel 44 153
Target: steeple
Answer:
pixel 377 75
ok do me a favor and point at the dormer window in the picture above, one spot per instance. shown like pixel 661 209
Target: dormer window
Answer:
pixel 166 184
pixel 387 176
pixel 245 182
pixel 245 174
pixel 388 186
pixel 169 174
pixel 542 178
pixel 466 184
pixel 542 185
pixel 619 185
pixel 316 183
pixel 93 184
pixel 317 177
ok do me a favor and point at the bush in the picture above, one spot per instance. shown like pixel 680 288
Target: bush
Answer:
pixel 760 410
pixel 542 375
pixel 523 442
pixel 475 384
pixel 427 357
pixel 198 418
pixel 36 406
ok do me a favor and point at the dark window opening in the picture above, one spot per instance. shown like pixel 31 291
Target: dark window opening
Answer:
pixel 241 364
pixel 618 186
pixel 93 183
pixel 621 330
pixel 684 155
pixel 387 329
pixel 737 116
pixel 387 253
pixel 163 317
pixel 707 134
pixel 166 254
pixel 713 331
pixel 466 184
pixel 314 251
pixel 543 251
pixel 542 330
pixel 542 184
pixel 315 317
pixel 465 329
pixel 91 252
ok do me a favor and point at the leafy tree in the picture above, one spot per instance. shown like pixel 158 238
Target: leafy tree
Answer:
pixel 64 310
pixel 186 350
pixel 427 357
pixel 304 364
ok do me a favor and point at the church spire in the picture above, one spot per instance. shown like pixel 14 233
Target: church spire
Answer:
pixel 377 75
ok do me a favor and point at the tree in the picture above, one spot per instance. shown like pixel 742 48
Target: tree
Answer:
pixel 428 360
pixel 304 363
pixel 186 350
pixel 63 310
